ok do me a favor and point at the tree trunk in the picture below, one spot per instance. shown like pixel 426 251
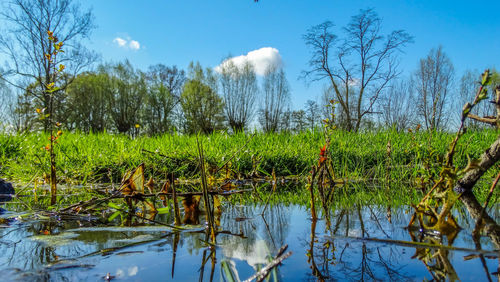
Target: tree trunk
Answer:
pixel 487 160
pixel 474 207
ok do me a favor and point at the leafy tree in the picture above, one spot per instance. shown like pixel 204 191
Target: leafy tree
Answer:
pixel 87 103
pixel 164 86
pixel 358 66
pixel 124 90
pixel 207 76
pixel 202 107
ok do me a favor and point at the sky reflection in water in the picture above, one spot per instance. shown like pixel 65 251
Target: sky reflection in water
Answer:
pixel 345 251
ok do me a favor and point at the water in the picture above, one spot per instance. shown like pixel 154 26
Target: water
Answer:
pixel 361 243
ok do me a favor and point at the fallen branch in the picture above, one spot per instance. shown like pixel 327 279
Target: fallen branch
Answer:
pixel 487 160
pixel 493 185
pixel 185 194
pixel 491 228
pixel 95 201
pixel 261 275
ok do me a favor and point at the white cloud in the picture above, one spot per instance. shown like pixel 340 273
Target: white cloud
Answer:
pixel 261 59
pixel 127 43
pixel 120 41
pixel 132 271
pixel 134 45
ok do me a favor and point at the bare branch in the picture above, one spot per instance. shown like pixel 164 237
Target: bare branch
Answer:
pixel 375 67
pixel 488 120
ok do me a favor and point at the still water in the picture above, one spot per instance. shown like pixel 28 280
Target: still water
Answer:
pixel 352 244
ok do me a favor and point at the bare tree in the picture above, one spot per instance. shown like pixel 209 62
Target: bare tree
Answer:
pixel 327 97
pixel 433 82
pixel 330 105
pixel 467 89
pixel 397 105
pixel 6 100
pixel 22 114
pixel 171 78
pixel 299 120
pixel 239 90
pixel 24 41
pixel 285 123
pixel 276 99
pixel 359 66
pixel 312 114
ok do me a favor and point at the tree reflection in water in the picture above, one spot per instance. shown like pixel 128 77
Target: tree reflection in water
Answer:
pixel 334 256
pixel 366 244
pixel 358 243
pixel 265 233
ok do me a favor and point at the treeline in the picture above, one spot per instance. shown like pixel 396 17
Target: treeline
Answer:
pixel 433 96
pixel 117 97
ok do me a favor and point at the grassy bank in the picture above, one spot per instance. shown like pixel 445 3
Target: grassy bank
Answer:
pixel 85 158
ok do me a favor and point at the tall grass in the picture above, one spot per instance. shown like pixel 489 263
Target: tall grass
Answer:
pixel 86 158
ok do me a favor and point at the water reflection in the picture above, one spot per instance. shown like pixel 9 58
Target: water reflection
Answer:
pixel 332 254
pixel 359 243
pixel 370 243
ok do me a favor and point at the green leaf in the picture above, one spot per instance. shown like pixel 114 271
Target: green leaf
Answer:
pixel 466 112
pixel 115 206
pixel 163 210
pixel 53 89
pixel 114 215
pixel 486 78
pixel 227 272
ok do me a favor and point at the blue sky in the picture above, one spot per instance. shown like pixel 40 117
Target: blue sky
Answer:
pixel 177 32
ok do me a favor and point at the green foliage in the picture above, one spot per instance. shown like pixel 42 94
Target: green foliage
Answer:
pixel 202 107
pixel 164 85
pixel 102 157
pixel 124 88
pixel 87 100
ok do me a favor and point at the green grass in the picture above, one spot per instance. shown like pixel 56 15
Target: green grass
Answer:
pixel 88 158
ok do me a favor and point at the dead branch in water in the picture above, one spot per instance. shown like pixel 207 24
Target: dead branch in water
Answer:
pixel 139 196
pixel 491 228
pixel 280 257
pixel 491 155
pixel 487 160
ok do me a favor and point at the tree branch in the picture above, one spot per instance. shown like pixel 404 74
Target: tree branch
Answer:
pixel 488 120
pixel 487 160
